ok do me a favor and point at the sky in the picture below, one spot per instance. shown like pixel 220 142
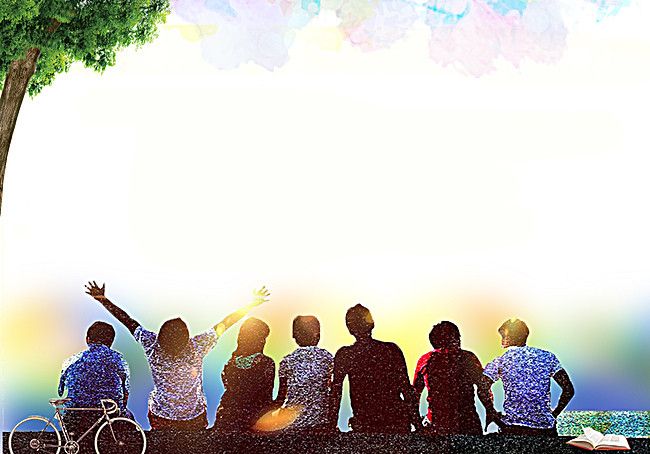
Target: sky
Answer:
pixel 344 175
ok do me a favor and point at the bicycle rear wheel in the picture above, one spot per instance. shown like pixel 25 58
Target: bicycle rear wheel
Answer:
pixel 120 435
pixel 35 434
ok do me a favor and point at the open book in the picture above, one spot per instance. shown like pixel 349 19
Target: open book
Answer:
pixel 594 440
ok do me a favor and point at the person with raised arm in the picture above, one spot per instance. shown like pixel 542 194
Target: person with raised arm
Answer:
pixel 176 361
pixel 526 374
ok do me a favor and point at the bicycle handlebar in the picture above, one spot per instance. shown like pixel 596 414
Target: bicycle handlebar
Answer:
pixel 112 406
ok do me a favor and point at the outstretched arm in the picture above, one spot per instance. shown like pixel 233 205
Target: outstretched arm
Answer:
pixel 562 379
pixel 259 296
pixel 97 292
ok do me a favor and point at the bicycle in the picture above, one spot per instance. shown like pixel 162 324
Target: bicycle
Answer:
pixel 123 434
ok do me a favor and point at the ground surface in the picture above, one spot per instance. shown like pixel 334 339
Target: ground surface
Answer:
pixel 210 442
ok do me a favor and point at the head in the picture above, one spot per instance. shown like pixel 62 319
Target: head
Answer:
pixel 252 337
pixel 445 335
pixel 173 336
pixel 359 321
pixel 100 333
pixel 514 333
pixel 306 330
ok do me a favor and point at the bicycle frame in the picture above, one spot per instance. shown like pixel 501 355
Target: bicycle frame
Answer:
pixel 58 414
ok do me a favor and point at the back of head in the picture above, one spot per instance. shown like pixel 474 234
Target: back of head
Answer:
pixel 516 331
pixel 359 320
pixel 445 335
pixel 100 333
pixel 173 336
pixel 306 330
pixel 252 337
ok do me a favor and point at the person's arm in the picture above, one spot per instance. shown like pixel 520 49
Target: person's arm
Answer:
pixel 283 384
pixel 259 296
pixel 410 398
pixel 125 376
pixel 562 379
pixel 62 383
pixel 484 392
pixel 336 389
pixel 97 292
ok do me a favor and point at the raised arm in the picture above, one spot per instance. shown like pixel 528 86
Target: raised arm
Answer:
pixel 259 296
pixel 97 292
pixel 562 379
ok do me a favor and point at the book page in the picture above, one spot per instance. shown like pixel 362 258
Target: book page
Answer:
pixel 618 441
pixel 593 436
pixel 581 442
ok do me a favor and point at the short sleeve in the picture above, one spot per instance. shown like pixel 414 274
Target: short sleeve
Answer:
pixel 493 369
pixel 205 342
pixel 145 338
pixel 554 364
pixel 419 368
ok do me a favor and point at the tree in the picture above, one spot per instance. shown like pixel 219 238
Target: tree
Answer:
pixel 42 38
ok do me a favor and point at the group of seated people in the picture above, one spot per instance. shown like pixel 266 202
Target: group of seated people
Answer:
pixel 383 399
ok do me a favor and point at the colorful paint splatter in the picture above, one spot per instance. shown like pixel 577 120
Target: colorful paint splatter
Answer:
pixel 471 35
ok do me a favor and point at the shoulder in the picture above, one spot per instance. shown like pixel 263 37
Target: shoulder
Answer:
pixel 324 353
pixel 71 360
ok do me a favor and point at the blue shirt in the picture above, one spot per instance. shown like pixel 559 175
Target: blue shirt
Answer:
pixel 526 375
pixel 94 374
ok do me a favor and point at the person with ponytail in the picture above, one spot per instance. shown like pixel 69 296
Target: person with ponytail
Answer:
pixel 247 380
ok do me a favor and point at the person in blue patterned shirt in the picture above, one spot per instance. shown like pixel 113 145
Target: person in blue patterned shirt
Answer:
pixel 96 373
pixel 526 374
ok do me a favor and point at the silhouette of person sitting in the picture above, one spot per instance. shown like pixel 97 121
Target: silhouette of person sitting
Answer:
pixel 247 379
pixel 176 361
pixel 450 374
pixel 526 375
pixel 96 373
pixel 381 395
pixel 305 378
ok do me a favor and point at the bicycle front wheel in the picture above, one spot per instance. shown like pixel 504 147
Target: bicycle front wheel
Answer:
pixel 35 434
pixel 120 435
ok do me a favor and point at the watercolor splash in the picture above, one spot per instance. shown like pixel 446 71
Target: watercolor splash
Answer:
pixel 471 35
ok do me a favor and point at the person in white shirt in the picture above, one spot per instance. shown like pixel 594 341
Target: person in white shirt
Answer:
pixel 305 378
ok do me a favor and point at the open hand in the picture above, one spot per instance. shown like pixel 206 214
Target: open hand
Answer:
pixel 260 296
pixel 95 290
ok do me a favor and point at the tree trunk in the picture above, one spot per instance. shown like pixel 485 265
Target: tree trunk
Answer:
pixel 13 93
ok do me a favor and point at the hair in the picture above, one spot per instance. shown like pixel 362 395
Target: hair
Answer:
pixel 100 333
pixel 359 320
pixel 252 337
pixel 516 330
pixel 173 336
pixel 306 330
pixel 445 335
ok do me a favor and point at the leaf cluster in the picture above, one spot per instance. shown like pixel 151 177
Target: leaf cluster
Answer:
pixel 66 31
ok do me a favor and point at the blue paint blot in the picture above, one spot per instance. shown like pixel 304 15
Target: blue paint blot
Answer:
pixel 503 7
pixel 311 6
pixel 221 6
pixel 448 17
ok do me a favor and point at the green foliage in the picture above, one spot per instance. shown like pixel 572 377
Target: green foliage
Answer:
pixel 65 31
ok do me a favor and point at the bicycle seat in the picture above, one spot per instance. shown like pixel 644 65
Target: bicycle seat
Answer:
pixel 57 402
